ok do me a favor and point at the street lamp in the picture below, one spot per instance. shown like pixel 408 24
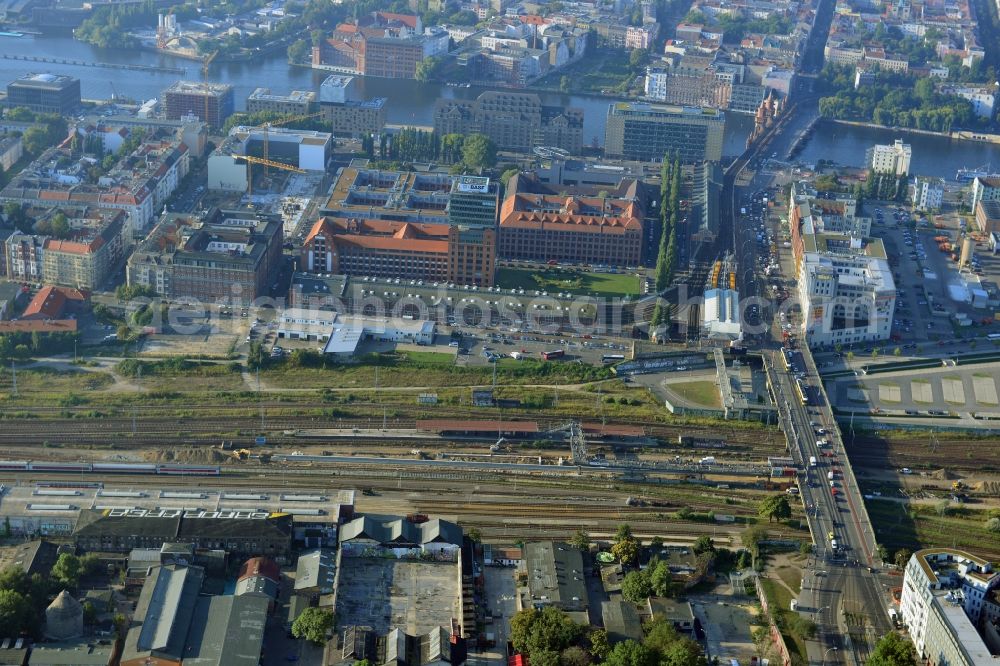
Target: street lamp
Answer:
pixel 833 649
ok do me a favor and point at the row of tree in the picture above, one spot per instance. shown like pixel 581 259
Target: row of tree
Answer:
pixel 666 258
pixel 25 345
pixel 549 637
pixel 885 187
pixel 474 152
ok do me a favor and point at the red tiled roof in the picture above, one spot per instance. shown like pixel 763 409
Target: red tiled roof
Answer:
pixel 260 566
pixel 50 302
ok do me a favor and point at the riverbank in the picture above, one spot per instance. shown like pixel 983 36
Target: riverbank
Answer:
pixel 960 135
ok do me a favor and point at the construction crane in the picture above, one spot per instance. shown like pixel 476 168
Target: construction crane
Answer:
pixel 204 77
pixel 250 160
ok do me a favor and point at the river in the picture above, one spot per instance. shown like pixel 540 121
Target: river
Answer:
pixel 411 102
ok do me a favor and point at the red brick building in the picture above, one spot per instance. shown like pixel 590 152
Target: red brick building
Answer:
pixel 408 250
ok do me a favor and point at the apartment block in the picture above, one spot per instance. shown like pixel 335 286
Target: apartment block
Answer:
pixel 218 256
pixel 139 184
pixel 514 121
pixel 949 606
pixel 211 103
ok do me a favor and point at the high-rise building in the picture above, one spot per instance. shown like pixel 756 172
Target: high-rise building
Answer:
pixel 648 132
pixel 473 202
pixel 893 160
pixel 211 103
pixel 45 93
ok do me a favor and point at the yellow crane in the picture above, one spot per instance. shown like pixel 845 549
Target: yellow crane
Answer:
pixel 251 160
pixel 204 77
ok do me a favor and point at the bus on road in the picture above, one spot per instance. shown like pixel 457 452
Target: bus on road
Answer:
pixel 552 355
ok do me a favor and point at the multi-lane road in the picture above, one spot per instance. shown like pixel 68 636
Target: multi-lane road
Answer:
pixel 841 591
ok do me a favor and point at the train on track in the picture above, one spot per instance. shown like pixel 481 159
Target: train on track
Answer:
pixel 109 468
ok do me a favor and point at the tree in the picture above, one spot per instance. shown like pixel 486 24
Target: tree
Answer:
pixel 427 68
pixel 121 624
pixel 630 653
pixel 90 565
pixel 545 657
pixel 661 579
pixel 313 625
pixel 703 544
pixel 636 587
pixel 35 140
pixel 992 524
pixel 892 650
pixel 775 507
pixel 89 613
pixel 16 579
pixel 683 652
pixel 66 570
pixel 479 152
pixel 14 612
pixel 574 656
pixel 881 552
pixel 533 631
pixel 599 646
pixel 60 226
pixel 565 84
pixel 581 540
pixel 943 507
pixel 624 531
pixel 752 536
pixel 902 557
pixel 626 550
pixel 298 51
pixel 474 535
pixel 637 57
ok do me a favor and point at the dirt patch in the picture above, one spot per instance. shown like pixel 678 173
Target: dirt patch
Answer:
pixel 188 455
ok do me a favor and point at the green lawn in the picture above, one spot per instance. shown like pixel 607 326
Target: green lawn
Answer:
pixel 432 358
pixel 699 392
pixel 555 280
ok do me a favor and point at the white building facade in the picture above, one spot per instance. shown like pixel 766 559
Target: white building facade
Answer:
pixel 894 159
pixel 846 298
pixel 928 193
pixel 941 605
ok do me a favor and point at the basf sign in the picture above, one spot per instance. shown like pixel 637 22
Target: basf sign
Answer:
pixel 474 184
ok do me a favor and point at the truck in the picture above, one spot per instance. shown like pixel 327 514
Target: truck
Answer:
pixel 812 461
pixel 707 460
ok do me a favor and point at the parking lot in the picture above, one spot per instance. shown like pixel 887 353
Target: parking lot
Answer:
pixel 386 593
pixel 935 391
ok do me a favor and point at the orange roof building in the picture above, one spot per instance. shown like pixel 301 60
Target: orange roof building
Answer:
pixel 411 250
pixel 53 303
pixel 539 224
